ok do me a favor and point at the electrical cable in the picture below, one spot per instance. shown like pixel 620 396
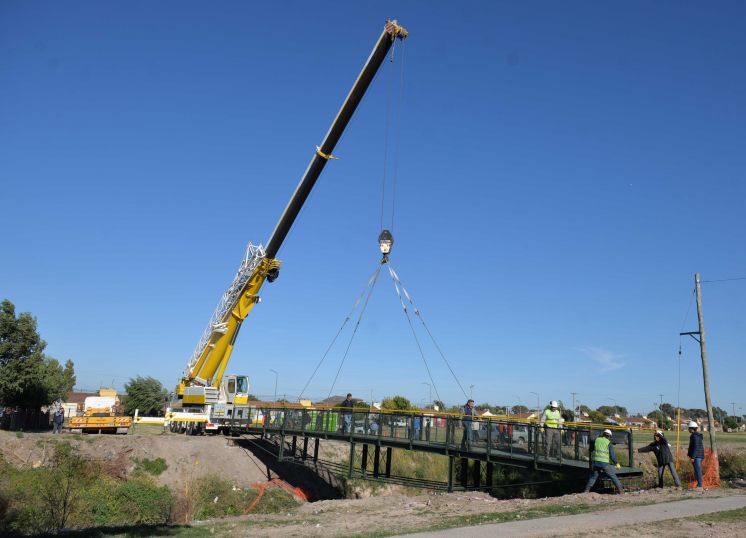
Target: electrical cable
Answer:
pixel 724 279
pixel 344 323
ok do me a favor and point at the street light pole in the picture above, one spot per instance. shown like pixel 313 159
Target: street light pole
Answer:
pixel 276 377
pixel 574 414
pixel 471 392
pixel 660 406
pixel 430 392
pixel 538 402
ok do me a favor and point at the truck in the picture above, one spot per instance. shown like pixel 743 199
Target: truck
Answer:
pixel 101 414
pixel 205 400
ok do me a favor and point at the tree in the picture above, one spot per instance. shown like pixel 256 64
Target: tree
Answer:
pixel 28 378
pixel 730 423
pixel 611 410
pixel 69 376
pixel 661 419
pixel 668 409
pixel 596 416
pixel 584 409
pixel 439 404
pixel 396 403
pixel 146 394
pixel 518 409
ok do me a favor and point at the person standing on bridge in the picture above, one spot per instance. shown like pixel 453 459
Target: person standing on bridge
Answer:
pixel 662 449
pixel 346 406
pixel 466 424
pixel 603 454
pixel 551 420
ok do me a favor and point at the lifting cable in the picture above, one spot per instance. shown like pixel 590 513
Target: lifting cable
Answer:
pixel 374 279
pixel 397 129
pixel 397 285
pixel 371 282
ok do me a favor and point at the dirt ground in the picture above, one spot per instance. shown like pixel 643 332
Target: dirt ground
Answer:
pixel 392 510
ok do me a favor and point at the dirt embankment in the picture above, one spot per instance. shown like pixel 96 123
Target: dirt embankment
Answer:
pixel 241 461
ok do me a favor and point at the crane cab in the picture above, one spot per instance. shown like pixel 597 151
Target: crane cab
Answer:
pixel 234 389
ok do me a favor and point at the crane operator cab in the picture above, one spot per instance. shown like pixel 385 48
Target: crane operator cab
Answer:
pixel 234 389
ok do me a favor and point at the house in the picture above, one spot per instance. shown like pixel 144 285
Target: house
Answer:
pixel 640 422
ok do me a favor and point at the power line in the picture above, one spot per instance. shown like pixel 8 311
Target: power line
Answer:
pixel 724 279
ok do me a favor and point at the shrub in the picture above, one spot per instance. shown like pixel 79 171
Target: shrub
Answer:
pixel 218 498
pixel 155 466
pixel 140 501
pixel 732 464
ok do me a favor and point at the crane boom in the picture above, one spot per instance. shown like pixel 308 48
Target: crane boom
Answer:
pixel 207 365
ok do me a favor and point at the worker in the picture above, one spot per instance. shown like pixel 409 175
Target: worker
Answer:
pixel 346 406
pixel 662 449
pixel 466 424
pixel 57 420
pixel 551 420
pixel 603 454
pixel 696 451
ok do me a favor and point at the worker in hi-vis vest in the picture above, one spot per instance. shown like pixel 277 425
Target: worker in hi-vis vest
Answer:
pixel 603 456
pixel 551 420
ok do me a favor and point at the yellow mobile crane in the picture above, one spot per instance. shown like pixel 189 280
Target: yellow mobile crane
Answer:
pixel 204 400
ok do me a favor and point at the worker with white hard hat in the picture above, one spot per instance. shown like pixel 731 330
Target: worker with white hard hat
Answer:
pixel 551 420
pixel 662 450
pixel 696 451
pixel 603 455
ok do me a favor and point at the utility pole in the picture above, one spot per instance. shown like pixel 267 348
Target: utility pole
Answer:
pixel 703 353
pixel 660 406
pixel 471 391
pixel 734 409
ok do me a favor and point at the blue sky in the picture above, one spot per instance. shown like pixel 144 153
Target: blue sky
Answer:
pixel 563 172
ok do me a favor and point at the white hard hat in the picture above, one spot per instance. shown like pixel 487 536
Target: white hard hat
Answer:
pixel 607 431
pixel 553 403
pixel 658 432
pixel 692 424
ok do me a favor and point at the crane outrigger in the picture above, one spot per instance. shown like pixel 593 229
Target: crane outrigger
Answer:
pixel 205 399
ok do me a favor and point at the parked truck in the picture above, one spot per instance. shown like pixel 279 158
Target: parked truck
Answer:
pixel 101 414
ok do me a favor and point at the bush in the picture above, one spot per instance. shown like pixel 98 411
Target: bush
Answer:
pixel 142 502
pixel 155 466
pixel 732 464
pixel 218 498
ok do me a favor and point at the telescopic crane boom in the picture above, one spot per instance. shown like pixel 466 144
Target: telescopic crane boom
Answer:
pixel 201 381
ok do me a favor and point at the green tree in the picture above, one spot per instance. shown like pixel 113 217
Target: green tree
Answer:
pixel 439 404
pixel 611 410
pixel 397 403
pixel 596 417
pixel 28 378
pixel 730 423
pixel 518 409
pixel 69 376
pixel 146 394
pixel 660 419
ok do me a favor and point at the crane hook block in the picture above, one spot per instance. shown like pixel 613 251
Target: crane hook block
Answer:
pixel 385 242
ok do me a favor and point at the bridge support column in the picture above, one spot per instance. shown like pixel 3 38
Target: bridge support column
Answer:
pixel 294 446
pixel 490 467
pixel 316 451
pixel 281 452
pixel 364 460
pixel 477 473
pixel 450 474
pixel 464 472
pixel 376 461
pixel 305 448
pixel 352 460
pixel 389 457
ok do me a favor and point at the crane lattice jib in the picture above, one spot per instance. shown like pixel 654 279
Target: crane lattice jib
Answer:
pixel 219 319
pixel 210 358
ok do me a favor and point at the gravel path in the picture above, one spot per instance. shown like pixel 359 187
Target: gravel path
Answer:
pixel 563 525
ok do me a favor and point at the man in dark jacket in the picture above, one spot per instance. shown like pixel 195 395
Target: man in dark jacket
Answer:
pixel 662 450
pixel 466 424
pixel 346 406
pixel 696 451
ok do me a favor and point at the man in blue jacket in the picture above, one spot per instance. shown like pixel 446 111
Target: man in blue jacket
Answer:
pixel 696 452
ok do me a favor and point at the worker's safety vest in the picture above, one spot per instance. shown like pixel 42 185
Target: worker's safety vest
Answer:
pixel 601 452
pixel 552 418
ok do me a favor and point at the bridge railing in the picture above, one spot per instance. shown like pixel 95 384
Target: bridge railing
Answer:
pixel 490 436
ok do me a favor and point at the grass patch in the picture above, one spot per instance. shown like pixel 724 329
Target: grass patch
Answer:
pixel 19 435
pixel 729 516
pixel 150 466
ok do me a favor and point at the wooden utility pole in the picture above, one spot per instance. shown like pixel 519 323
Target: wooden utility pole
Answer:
pixel 705 371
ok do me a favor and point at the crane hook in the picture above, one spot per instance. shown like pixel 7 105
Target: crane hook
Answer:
pixel 385 242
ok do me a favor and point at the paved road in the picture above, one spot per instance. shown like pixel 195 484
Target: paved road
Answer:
pixel 557 526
